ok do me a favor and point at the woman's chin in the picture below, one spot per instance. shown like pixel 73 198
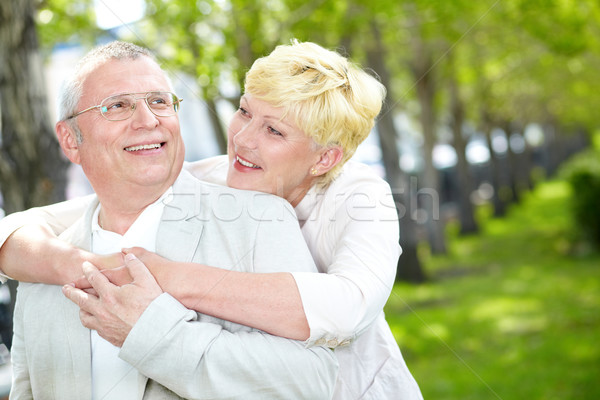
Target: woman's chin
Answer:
pixel 241 181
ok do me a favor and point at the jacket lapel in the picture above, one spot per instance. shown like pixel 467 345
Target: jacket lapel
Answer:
pixel 181 228
pixel 179 232
pixel 177 239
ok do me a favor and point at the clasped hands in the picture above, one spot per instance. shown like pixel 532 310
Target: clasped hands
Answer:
pixel 112 301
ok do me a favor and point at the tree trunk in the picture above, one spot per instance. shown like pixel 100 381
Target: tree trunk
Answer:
pixel 32 170
pixel 213 115
pixel 409 266
pixel 526 164
pixel 512 165
pixel 497 200
pixel 465 180
pixel 551 147
pixel 219 132
pixel 421 68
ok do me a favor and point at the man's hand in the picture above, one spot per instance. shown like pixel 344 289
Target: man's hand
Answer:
pixel 116 309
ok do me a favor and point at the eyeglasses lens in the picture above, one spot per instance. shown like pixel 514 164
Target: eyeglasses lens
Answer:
pixel 122 106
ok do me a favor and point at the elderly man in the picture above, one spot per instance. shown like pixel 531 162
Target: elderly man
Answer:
pixel 119 122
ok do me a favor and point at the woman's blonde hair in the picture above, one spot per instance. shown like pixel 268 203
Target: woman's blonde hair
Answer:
pixel 332 100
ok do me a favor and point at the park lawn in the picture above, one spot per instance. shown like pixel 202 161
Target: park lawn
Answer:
pixel 512 313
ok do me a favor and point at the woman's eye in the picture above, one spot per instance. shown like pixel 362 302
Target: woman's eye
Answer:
pixel 243 111
pixel 274 131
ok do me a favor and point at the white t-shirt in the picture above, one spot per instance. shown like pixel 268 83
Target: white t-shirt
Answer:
pixel 113 378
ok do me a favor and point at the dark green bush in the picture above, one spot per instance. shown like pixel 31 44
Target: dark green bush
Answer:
pixel 583 174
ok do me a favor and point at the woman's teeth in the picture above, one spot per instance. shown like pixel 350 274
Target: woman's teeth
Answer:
pixel 143 147
pixel 246 163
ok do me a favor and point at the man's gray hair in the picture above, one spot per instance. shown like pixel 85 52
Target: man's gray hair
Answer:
pixel 72 88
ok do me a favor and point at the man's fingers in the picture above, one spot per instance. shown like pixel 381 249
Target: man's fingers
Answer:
pixel 91 291
pixel 84 301
pixel 96 279
pixel 87 320
pixel 137 269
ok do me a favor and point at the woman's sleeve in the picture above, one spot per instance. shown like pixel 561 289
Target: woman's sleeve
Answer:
pixel 363 241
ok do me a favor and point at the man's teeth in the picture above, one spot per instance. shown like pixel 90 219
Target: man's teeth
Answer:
pixel 143 147
pixel 246 163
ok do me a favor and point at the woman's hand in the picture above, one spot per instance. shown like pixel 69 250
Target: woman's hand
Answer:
pixel 152 261
pixel 107 261
pixel 117 276
pixel 112 266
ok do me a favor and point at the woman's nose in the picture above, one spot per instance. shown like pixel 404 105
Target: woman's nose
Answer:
pixel 246 136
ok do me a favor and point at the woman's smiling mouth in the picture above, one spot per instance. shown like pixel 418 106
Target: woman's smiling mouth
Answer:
pixel 246 163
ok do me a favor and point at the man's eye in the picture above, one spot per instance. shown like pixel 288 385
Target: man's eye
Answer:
pixel 117 105
pixel 158 100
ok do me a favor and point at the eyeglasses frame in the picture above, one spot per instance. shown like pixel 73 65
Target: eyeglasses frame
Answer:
pixel 134 105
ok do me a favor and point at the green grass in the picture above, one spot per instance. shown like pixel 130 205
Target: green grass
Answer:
pixel 512 313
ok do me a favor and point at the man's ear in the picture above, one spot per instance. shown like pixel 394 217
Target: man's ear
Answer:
pixel 68 141
pixel 329 159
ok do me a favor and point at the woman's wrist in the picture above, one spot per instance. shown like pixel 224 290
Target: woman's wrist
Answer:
pixel 66 264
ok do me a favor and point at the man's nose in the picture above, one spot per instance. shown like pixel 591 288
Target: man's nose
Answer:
pixel 142 115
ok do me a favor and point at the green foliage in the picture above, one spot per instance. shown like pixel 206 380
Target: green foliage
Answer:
pixel 567 19
pixel 189 38
pixel 525 60
pixel 65 21
pixel 583 174
pixel 508 314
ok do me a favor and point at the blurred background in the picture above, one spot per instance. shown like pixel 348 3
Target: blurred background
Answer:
pixel 488 138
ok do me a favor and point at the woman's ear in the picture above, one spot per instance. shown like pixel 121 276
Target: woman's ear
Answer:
pixel 68 141
pixel 329 159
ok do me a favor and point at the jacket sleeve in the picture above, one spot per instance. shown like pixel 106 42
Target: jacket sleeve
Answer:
pixel 21 382
pixel 200 360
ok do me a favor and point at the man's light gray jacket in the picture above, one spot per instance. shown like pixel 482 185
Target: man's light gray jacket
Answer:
pixel 182 353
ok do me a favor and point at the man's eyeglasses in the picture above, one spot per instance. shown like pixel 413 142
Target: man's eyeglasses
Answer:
pixel 122 106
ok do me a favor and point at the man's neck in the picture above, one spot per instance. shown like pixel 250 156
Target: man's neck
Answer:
pixel 118 213
pixel 116 222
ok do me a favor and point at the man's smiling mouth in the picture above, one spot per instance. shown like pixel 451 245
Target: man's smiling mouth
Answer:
pixel 144 147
